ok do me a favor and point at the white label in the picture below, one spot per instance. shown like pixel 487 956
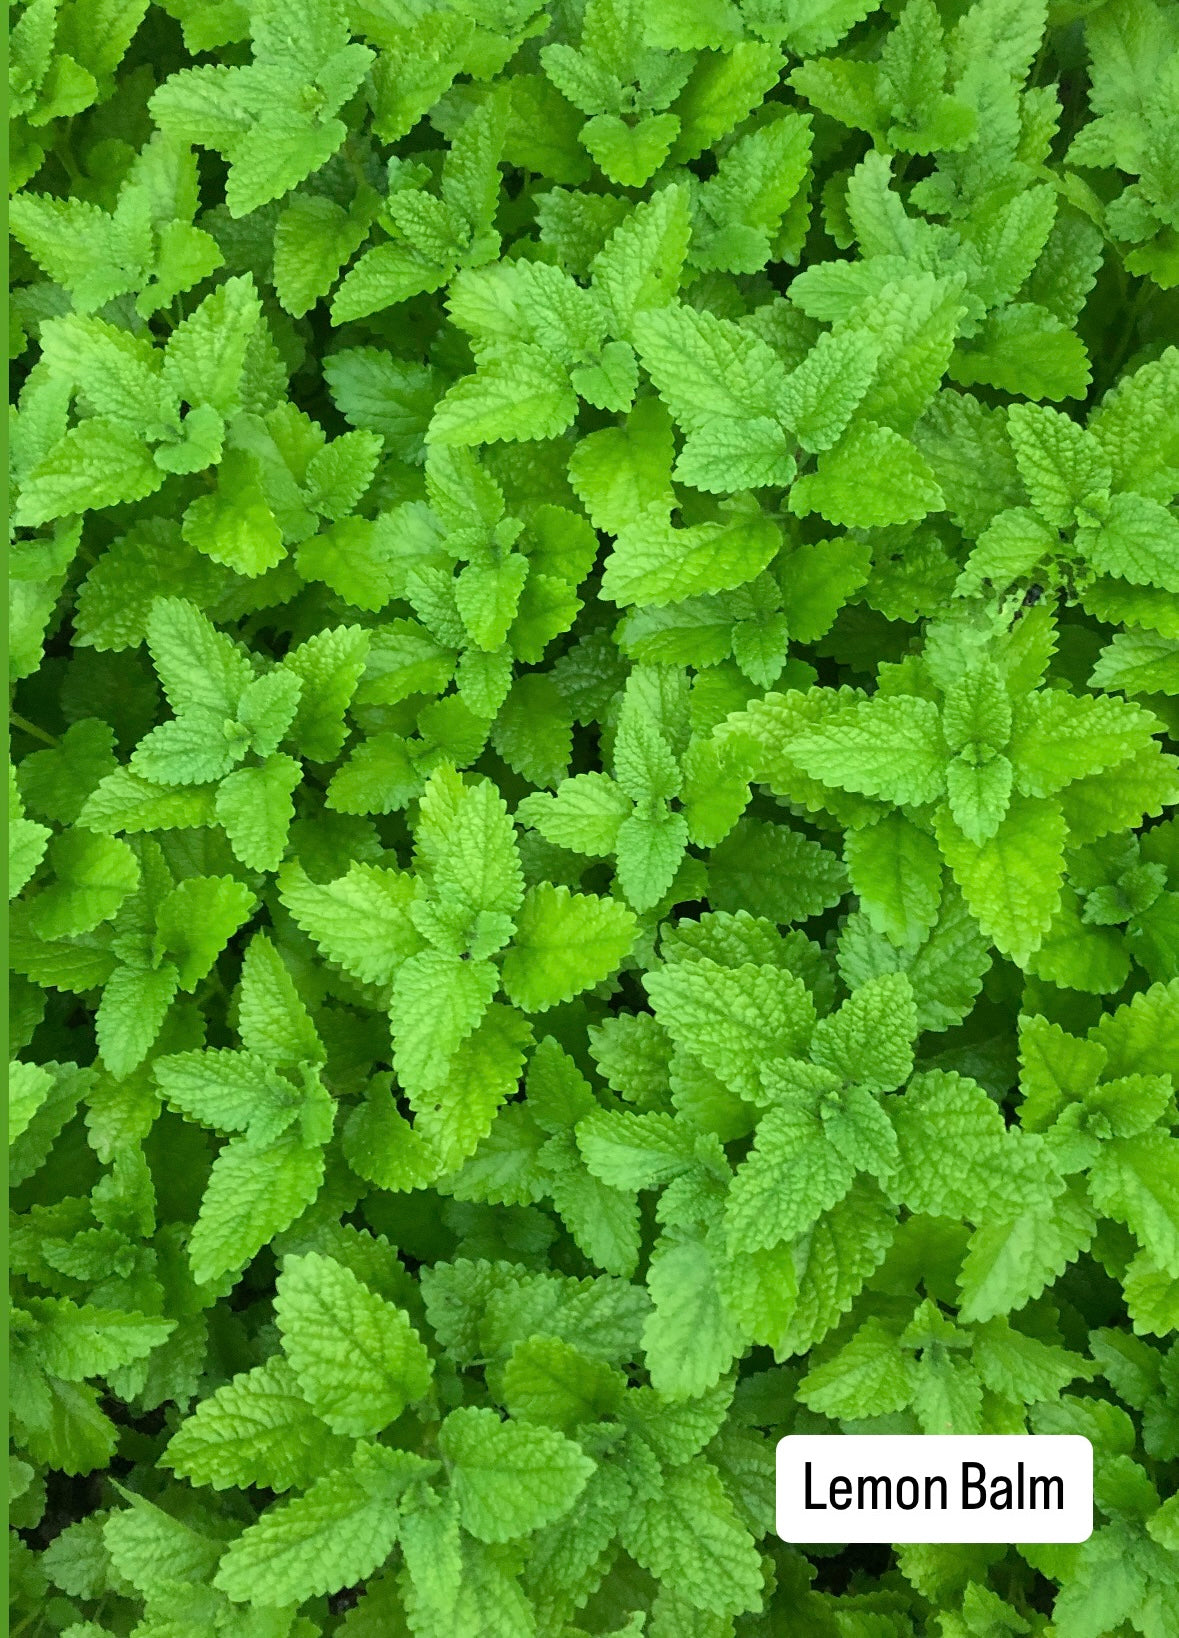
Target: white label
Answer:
pixel 935 1487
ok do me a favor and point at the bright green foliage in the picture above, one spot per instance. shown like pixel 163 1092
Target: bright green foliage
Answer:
pixel 509 1479
pixel 594 633
pixel 319 1301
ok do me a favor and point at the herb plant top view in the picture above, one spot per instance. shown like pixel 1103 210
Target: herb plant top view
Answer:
pixel 595 635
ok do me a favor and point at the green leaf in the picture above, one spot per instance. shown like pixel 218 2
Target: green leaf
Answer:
pixel 887 746
pixel 99 462
pixel 437 1001
pixel 231 1091
pixel 621 472
pixel 629 154
pixel 708 369
pixel 518 392
pixel 151 1549
pixel 728 454
pixel 510 1478
pixel 329 665
pixel 759 180
pixel 29 1085
pixel 353 558
pixel 196 920
pixel 1059 737
pixel 1136 540
pixel 649 848
pixel 584 813
pixel 868 1376
pixel 896 872
pixel 235 525
pixel 133 1006
pixel 1009 1264
pixel 817 581
pixel 255 1191
pixel 361 920
pixel 639 267
pixel 871 477
pixel 1138 662
pixel 820 396
pixel 191 749
pixel 545 1380
pixel 385 1366
pixel 206 354
pixel 1011 882
pixel 1134 1180
pixel 773 871
pixel 467 841
pixel 869 1040
pixel 313 238
pixel 255 808
pixel 1023 348
pixel 1059 462
pixel 997 1172
pixel 634 1151
pixel 792 1176
pixel 75 1341
pixel 735 1020
pixel 197 665
pixel 257 1429
pixel 564 943
pixel 834 1259
pixel 27 839
pixel 119 373
pixel 392 397
pixel 945 968
pixel 979 795
pixel 690 1537
pixel 691 1336
pixel 92 877
pixel 1023 1368
pixel 332 1536
pixel 387 274
pixel 655 563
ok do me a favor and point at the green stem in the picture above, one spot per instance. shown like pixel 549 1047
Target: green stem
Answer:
pixel 27 727
pixel 1126 341
pixel 65 153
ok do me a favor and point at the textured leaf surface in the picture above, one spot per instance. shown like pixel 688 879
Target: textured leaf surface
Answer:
pixel 385 1367
pixel 510 1479
pixel 257 1429
pixel 333 1535
pixel 564 943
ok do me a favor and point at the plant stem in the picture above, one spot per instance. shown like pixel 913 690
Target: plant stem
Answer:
pixel 27 727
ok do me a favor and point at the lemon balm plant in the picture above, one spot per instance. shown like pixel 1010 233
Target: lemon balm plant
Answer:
pixel 595 643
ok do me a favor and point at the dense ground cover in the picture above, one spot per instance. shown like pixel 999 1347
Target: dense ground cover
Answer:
pixel 596 641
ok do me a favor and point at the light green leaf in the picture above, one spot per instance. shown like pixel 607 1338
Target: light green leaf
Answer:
pixel 872 477
pixel 886 746
pixel 691 1336
pixel 333 1536
pixel 737 1021
pixel 322 1306
pixel 1011 882
pixel 254 1192
pixel 437 1001
pixel 518 392
pixel 510 1478
pixel 564 943
pixel 257 1429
